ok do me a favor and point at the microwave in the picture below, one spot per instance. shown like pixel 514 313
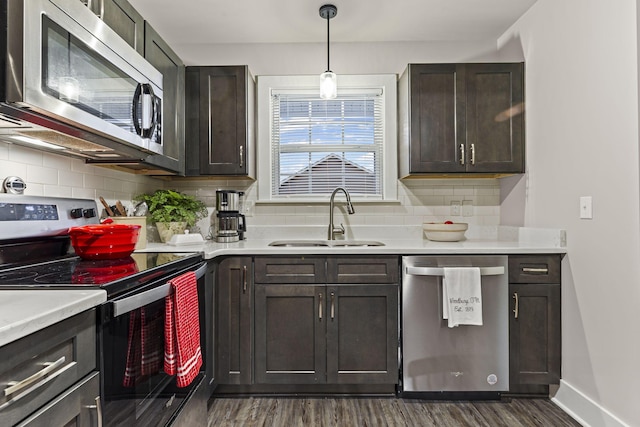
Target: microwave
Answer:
pixel 73 86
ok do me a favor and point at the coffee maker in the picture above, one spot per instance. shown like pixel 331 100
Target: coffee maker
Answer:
pixel 230 224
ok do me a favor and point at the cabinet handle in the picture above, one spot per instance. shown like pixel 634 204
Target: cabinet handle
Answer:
pixel 542 270
pixel 98 408
pixel 473 154
pixel 242 156
pixel 320 307
pixel 462 154
pixel 244 279
pixel 515 310
pixel 333 305
pixel 15 386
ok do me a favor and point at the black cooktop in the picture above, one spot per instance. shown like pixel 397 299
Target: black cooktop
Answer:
pixel 116 276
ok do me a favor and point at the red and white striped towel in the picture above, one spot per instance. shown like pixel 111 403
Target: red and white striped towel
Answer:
pixel 182 353
pixel 144 346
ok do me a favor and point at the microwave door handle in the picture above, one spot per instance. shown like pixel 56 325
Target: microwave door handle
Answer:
pixel 134 109
pixel 133 302
pixel 148 111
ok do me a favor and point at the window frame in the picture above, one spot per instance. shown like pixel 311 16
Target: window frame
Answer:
pixel 267 84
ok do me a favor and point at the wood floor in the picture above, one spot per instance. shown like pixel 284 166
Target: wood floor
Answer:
pixel 361 412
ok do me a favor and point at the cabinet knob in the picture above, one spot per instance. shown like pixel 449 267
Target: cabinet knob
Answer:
pixel 241 156
pixel 462 154
pixel 320 307
pixel 515 309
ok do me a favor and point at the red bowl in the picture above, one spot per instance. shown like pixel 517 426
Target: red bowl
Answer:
pixel 104 241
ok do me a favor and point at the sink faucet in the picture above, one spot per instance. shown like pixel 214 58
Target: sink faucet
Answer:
pixel 338 230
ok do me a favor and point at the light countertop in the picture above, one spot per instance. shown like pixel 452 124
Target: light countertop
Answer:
pixel 23 312
pixel 397 240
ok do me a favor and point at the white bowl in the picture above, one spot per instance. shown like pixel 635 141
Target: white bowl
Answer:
pixel 441 232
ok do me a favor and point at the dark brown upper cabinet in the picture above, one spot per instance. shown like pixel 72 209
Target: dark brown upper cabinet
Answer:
pixel 123 19
pixel 461 119
pixel 161 56
pixel 220 121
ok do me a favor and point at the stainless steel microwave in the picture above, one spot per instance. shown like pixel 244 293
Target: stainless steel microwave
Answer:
pixel 72 85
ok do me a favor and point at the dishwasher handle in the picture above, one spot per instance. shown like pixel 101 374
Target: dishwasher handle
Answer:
pixel 439 271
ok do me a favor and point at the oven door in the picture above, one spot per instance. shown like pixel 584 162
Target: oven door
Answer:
pixel 135 390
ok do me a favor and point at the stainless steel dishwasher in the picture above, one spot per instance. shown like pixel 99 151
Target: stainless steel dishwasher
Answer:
pixel 464 361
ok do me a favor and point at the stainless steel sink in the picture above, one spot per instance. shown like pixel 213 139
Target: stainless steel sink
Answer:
pixel 299 243
pixel 344 243
pixel 325 243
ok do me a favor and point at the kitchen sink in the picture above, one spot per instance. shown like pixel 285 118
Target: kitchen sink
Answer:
pixel 299 243
pixel 325 243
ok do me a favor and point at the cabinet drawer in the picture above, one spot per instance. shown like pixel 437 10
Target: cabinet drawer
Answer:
pixel 284 270
pixel 534 269
pixel 365 270
pixel 76 406
pixel 53 359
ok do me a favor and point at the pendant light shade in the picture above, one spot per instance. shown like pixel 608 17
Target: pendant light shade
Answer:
pixel 328 79
pixel 328 85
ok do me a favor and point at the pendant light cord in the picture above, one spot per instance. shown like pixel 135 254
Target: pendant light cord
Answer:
pixel 328 19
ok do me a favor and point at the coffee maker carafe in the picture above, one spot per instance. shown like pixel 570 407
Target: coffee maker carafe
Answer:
pixel 230 224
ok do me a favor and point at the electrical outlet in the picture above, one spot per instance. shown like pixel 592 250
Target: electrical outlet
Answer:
pixel 249 206
pixel 455 208
pixel 467 208
pixel 586 207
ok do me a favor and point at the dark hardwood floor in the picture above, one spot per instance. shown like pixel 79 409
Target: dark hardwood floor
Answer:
pixel 361 412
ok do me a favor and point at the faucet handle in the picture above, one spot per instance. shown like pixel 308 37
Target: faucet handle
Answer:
pixel 338 230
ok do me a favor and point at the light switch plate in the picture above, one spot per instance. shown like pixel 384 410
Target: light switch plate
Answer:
pixel 586 207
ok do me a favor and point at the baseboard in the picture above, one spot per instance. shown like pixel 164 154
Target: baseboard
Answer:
pixel 583 409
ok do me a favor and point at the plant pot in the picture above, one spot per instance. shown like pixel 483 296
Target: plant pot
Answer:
pixel 168 229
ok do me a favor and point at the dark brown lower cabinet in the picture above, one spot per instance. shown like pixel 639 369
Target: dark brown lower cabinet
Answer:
pixel 334 334
pixel 233 321
pixel 534 336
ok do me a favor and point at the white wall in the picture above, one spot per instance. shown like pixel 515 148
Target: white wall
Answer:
pixel 582 140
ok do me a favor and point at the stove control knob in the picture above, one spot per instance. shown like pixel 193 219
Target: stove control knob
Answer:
pixel 89 213
pixel 76 213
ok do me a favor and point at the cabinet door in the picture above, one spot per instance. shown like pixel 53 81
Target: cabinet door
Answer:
pixel 362 334
pixel 534 334
pixel 160 55
pixel 495 118
pixel 234 307
pixel 437 118
pixel 290 334
pixel 124 20
pixel 223 109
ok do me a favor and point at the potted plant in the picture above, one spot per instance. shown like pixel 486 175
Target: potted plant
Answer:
pixel 172 211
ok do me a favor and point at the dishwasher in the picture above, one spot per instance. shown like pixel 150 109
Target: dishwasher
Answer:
pixel 465 361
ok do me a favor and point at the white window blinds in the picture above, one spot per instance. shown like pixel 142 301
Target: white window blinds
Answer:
pixel 318 145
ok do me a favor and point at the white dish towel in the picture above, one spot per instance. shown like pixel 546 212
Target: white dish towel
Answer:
pixel 462 296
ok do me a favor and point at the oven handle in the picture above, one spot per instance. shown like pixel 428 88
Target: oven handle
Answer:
pixel 133 302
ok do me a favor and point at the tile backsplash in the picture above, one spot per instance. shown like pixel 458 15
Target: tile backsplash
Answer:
pixel 419 200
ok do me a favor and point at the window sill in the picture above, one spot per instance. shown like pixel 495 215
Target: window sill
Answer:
pixel 325 200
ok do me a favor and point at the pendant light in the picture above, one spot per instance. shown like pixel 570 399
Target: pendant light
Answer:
pixel 328 79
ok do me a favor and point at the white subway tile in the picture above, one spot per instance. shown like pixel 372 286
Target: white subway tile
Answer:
pixel 10 168
pixel 41 175
pixel 25 155
pixel 57 191
pixel 94 182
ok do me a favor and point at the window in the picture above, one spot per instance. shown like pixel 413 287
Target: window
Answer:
pixel 308 146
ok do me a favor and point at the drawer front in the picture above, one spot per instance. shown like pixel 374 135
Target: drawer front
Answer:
pixel 283 270
pixel 534 269
pixel 78 406
pixel 363 270
pixel 45 364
